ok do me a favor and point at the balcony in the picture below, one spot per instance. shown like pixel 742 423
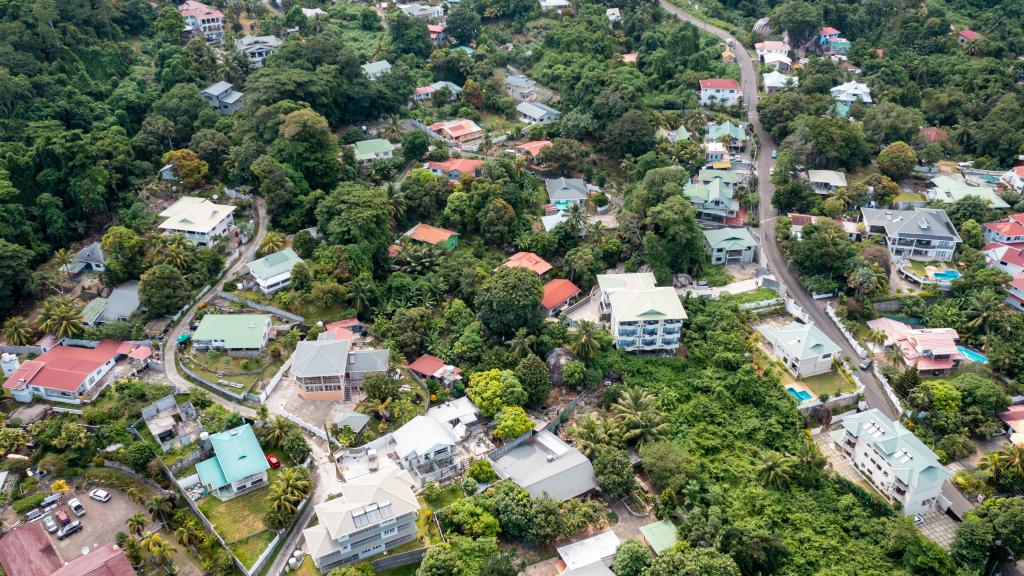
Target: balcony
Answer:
pixel 627 343
pixel 627 332
pixel 672 330
pixel 669 341
pixel 650 331
pixel 649 342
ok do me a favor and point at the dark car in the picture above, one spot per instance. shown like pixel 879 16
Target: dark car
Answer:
pixel 68 530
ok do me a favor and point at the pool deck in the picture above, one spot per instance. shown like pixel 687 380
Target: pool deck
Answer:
pixel 800 387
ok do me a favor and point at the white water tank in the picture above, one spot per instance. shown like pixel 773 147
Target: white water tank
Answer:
pixel 9 363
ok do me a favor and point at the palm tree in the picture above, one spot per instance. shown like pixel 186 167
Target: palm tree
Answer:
pixel 63 258
pixel 420 258
pixel 399 201
pixel 272 242
pixel 576 218
pixel 160 507
pixel 177 251
pixel 186 536
pixel 878 337
pixel 277 430
pixel 60 317
pixel 984 310
pixel 996 463
pixel 361 293
pixel 584 341
pixel 392 129
pixel 18 332
pixel 776 470
pixel 136 524
pixel 163 554
pixel 288 491
pixel 592 431
pixel 636 412
pixel 1013 455
pixel 59 486
pixel 521 344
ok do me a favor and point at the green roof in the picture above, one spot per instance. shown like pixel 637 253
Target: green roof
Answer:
pixel 237 455
pixel 235 331
pixel 727 176
pixel 368 149
pixel 273 264
pixel 660 535
pixel 93 310
pixel 716 131
pixel 733 238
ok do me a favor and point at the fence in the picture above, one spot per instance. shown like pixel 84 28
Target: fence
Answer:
pixel 796 311
pixel 191 303
pixel 264 308
pixel 840 399
pixel 205 522
pixel 846 333
pixel 763 306
pixel 314 430
pixel 194 457
pixel 269 389
pixel 67 410
pixel 422 128
pixel 887 388
pixel 400 559
pixel 510 446
pixel 554 424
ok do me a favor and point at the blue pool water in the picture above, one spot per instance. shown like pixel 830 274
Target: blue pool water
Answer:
pixel 800 395
pixel 947 275
pixel 972 356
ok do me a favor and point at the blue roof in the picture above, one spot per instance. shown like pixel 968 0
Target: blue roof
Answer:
pixel 237 455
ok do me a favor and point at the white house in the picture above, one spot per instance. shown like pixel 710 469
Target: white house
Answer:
pixel 64 373
pixel 613 14
pixel 536 113
pixel 565 191
pixel 374 70
pixel 369 151
pixel 423 440
pixel 721 91
pixel 778 62
pixel 803 348
pixel 198 219
pixel 895 461
pixel 1009 230
pixel 730 245
pixel 641 316
pixel 555 5
pixel 826 181
pixel 771 47
pixel 257 48
pixel 922 234
pixel 274 271
pixel 422 11
pixel 1014 178
pixel 775 81
pixel 852 91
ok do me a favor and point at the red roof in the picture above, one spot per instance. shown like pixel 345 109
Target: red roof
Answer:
pixel 198 10
pixel 107 560
pixel 530 261
pixel 969 35
pixel 428 365
pixel 1013 225
pixel 629 58
pixel 719 83
pixel 346 323
pixel 828 31
pixel 800 219
pixel 932 134
pixel 533 148
pixel 394 250
pixel 435 28
pixel 27 551
pixel 557 292
pixel 1018 282
pixel 456 128
pixel 430 234
pixel 460 165
pixel 141 353
pixel 64 367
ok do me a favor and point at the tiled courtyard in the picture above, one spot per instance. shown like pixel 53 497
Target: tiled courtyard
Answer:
pixel 939 527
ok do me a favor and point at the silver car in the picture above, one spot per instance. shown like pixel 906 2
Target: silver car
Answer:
pixel 99 495
pixel 50 524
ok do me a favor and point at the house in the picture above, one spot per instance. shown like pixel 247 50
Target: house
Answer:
pixel 197 219
pixel 455 168
pixel 433 369
pixel 459 414
pixel 238 334
pixel 932 350
pixel 536 113
pixel 591 553
pixel 680 134
pixel 832 43
pixel 613 15
pixel 714 200
pixel 551 221
pixel 827 34
pixel 721 91
pixel 895 461
pixel 966 36
pixel 530 261
pixel 27 550
pixel 202 18
pixel 771 47
pixel 424 443
pixel 641 316
pixel 238 464
pixel 369 151
pixel 730 245
pixel 715 152
pixel 948 190
pixel 373 514
pixel 1009 259
pixel 736 134
pixel 546 465
pixel 374 70
pixel 1015 293
pixel 65 373
pixel 850 92
pixel 223 97
pixel 314 13
pixel 459 130
pixel 532 149
pixel 826 182
pixel 556 5
pixel 257 48
pixel 798 221
pixel 438 33
pixel 557 294
pixel 173 425
pixel 520 88
pixel 729 180
pixel 660 535
pixel 629 57
pixel 775 81
pixel 166 173
pixel 1014 178
pixel 1013 417
pixel 565 191
pixel 118 306
pixel 330 368
pixel 433 235
pixel 422 11
pixel 1009 230
pixel 921 234
pixel 778 62
pixel 426 92
pixel 274 271
pixel 803 348
pixel 91 258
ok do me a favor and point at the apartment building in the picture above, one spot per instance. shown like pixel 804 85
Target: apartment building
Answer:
pixel 722 91
pixel 640 315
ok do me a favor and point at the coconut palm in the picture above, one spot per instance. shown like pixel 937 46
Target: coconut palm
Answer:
pixel 177 251
pixel 641 421
pixel 361 293
pixel 592 431
pixel 60 317
pixel 776 470
pixel 984 310
pixel 576 218
pixel 420 258
pixel 995 462
pixel 392 129
pixel 1013 454
pixel 584 340
pixel 62 259
pixel 186 536
pixel 277 430
pixel 136 524
pixel 18 332
pixel 522 343
pixel 272 242
pixel 160 507
pixel 288 491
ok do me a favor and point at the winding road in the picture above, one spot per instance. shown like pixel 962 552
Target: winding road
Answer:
pixel 873 392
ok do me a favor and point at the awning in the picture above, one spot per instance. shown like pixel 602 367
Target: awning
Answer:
pixel 184 338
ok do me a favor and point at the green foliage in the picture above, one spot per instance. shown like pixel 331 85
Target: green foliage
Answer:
pixel 495 389
pixel 511 422
pixel 532 374
pixel 613 471
pixel 138 454
pixel 482 471
pixel 27 503
pixel 468 518
pixel 632 558
pixel 897 160
pixel 509 300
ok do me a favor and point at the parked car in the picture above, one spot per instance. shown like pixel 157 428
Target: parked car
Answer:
pixel 36 473
pixel 76 507
pixel 68 530
pixel 50 524
pixel 273 461
pixel 866 364
pixel 62 517
pixel 964 165
pixel 775 154
pixel 99 495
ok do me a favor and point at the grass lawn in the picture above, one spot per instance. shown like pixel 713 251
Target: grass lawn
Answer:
pixel 307 568
pixel 832 383
pixel 240 517
pixel 759 295
pixel 249 549
pixel 861 175
pixel 212 366
pixel 448 497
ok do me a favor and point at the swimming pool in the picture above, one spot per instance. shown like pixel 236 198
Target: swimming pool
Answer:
pixel 800 395
pixel 946 275
pixel 972 356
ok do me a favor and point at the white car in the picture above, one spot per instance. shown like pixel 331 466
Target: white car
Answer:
pixel 99 495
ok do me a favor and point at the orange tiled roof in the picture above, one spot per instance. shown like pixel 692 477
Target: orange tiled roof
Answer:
pixel 530 261
pixel 430 234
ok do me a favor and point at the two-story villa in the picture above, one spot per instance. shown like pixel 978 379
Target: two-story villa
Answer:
pixel 205 19
pixel 1009 230
pixel 803 348
pixel 721 91
pixel 374 513
pixel 922 234
pixel 641 316
pixel 197 219
pixel 895 461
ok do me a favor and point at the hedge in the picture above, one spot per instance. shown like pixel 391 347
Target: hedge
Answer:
pixel 28 502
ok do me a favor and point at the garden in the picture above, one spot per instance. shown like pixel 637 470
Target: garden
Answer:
pixel 244 374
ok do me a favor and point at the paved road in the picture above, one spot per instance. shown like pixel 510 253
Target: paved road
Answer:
pixel 873 392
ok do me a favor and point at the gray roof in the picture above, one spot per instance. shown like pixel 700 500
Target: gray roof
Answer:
pixel 232 97
pixel 800 341
pixel 923 223
pixel 321 357
pixel 247 43
pixel 519 81
pixel 218 88
pixel 376 68
pixel 565 475
pixel 566 189
pixel 353 420
pixel 91 254
pixel 536 110
pixel 121 303
pixel 595 569
pixel 368 361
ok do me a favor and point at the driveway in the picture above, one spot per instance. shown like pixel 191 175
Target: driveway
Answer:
pixel 101 522
pixel 939 528
pixel 285 399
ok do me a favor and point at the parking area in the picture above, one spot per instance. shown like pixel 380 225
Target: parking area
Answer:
pixel 939 527
pixel 101 522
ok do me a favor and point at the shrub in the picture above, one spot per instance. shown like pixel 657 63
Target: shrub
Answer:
pixel 27 503
pixel 482 472
pixel 431 491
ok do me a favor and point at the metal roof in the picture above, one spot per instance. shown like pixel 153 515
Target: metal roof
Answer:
pixel 274 264
pixel 546 465
pixel 237 455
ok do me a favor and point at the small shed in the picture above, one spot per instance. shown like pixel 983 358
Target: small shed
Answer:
pixel 660 536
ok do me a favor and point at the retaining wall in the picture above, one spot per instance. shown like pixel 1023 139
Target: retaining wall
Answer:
pixel 846 333
pixel 269 309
